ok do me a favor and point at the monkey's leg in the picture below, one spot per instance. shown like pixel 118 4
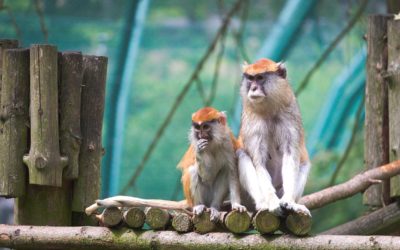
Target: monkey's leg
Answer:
pixel 220 186
pixel 290 178
pixel 248 176
pixel 302 179
pixel 234 189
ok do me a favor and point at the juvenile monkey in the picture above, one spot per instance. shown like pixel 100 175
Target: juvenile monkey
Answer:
pixel 273 162
pixel 209 166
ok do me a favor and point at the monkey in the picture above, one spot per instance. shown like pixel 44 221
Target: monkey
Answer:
pixel 209 166
pixel 273 161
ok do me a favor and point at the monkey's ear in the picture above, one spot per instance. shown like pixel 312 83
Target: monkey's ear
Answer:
pixel 281 71
pixel 245 65
pixel 222 118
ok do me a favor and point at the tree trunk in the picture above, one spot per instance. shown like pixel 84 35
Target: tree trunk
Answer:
pixel 14 122
pixel 376 108
pixel 394 98
pixel 104 238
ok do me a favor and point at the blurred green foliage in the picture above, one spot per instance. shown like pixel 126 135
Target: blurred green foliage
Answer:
pixel 176 35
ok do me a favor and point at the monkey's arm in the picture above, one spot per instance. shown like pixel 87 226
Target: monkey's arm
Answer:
pixel 234 190
pixel 257 182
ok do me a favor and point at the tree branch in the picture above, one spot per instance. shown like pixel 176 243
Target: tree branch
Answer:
pixel 380 221
pixel 42 237
pixel 358 183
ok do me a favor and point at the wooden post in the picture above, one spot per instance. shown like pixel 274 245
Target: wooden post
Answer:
pixel 70 75
pixel 203 224
pixel 394 98
pixel 14 120
pixel 134 217
pixel 298 224
pixel 5 44
pixel 376 108
pixel 265 222
pixel 44 161
pixel 182 222
pixel 87 186
pixel 157 218
pixel 110 217
pixel 237 222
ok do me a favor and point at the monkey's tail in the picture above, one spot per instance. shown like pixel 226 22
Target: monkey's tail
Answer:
pixel 129 201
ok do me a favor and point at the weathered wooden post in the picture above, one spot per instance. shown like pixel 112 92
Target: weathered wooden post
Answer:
pixel 14 121
pixel 265 222
pixel 134 217
pixel 376 108
pixel 87 186
pixel 44 161
pixel 157 218
pixel 393 77
pixel 70 81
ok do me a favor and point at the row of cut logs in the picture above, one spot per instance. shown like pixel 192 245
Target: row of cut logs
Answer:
pixel 236 222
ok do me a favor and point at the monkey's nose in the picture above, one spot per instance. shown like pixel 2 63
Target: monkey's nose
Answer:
pixel 254 88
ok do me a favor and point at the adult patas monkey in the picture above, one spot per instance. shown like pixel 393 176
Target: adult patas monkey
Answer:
pixel 210 166
pixel 273 162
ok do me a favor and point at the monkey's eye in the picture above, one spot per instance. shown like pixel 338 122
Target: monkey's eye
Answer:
pixel 259 77
pixel 206 127
pixel 196 126
pixel 250 77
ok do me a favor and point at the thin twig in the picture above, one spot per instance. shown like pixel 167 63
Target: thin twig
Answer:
pixel 39 10
pixel 181 95
pixel 217 67
pixel 238 35
pixel 331 47
pixel 349 145
pixel 200 89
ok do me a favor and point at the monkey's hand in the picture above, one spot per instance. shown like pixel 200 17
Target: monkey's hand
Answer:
pixel 214 214
pixel 271 204
pixel 199 209
pixel 202 144
pixel 238 207
pixel 294 207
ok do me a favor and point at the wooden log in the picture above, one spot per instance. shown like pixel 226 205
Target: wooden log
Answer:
pixel 265 222
pixel 382 221
pixel 157 218
pixel 298 224
pixel 110 217
pixel 70 82
pixel 182 222
pixel 376 108
pixel 134 217
pixel 87 186
pixel 202 223
pixel 44 162
pixel 88 238
pixel 357 184
pixel 394 98
pixel 14 121
pixel 237 222
pixel 5 44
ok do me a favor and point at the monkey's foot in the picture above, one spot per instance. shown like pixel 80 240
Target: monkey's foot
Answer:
pixel 294 207
pixel 272 206
pixel 238 207
pixel 202 144
pixel 199 209
pixel 214 214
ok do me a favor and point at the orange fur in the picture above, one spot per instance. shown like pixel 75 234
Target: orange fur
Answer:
pixel 261 66
pixel 206 114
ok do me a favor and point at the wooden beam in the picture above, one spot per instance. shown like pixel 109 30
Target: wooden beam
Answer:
pixel 36 237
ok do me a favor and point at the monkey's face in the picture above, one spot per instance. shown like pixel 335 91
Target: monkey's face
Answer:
pixel 203 130
pixel 259 87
